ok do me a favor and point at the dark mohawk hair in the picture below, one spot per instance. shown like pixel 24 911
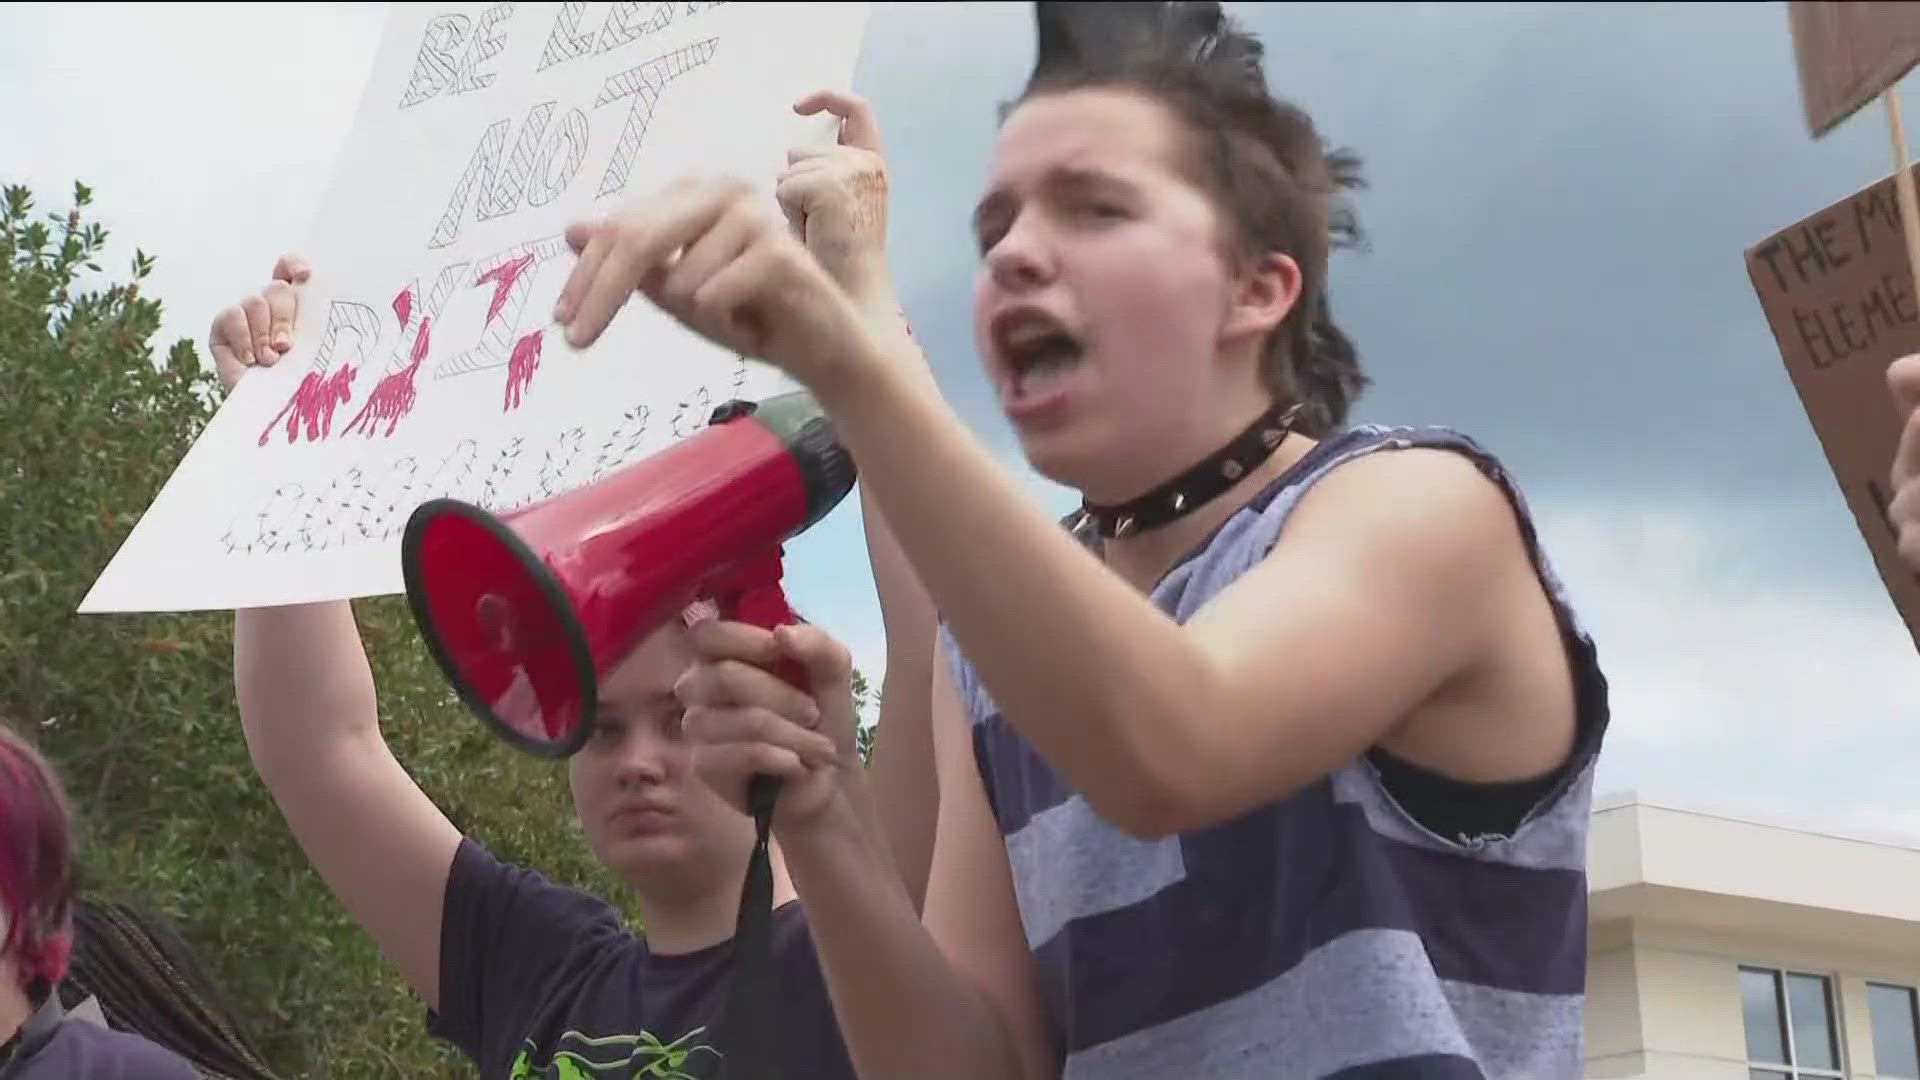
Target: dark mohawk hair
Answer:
pixel 1277 184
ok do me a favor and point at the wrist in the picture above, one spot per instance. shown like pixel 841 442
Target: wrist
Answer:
pixel 870 283
pixel 828 832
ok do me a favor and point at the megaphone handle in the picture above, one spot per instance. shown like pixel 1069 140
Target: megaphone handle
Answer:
pixel 751 593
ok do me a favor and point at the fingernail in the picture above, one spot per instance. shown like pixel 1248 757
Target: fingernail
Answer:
pixel 576 336
pixel 280 340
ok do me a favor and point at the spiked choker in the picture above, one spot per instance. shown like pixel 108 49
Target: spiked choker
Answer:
pixel 1199 485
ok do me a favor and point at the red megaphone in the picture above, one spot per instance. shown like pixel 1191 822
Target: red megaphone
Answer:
pixel 527 611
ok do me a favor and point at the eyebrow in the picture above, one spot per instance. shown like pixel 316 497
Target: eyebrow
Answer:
pixel 657 703
pixel 1073 178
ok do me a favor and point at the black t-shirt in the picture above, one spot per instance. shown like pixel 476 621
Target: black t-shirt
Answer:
pixel 52 1046
pixel 540 982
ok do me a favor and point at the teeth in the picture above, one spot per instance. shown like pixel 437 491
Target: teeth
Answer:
pixel 1030 334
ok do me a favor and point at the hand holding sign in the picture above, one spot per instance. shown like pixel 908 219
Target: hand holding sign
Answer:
pixel 1903 378
pixel 259 329
pixel 1840 288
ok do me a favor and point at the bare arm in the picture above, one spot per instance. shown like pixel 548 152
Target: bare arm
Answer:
pixel 835 198
pixel 1389 586
pixel 308 708
pixel 954 997
pixel 906 790
pixel 312 725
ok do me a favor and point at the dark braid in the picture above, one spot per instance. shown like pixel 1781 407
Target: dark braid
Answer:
pixel 148 981
pixel 1276 184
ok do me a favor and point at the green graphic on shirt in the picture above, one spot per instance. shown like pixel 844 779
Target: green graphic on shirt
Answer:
pixel 615 1057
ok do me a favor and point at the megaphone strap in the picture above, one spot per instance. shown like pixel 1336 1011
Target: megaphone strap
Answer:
pixel 749 1026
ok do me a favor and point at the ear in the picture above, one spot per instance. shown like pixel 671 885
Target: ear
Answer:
pixel 1264 292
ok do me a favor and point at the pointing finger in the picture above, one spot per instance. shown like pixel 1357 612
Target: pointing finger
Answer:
pixel 858 126
pixel 592 244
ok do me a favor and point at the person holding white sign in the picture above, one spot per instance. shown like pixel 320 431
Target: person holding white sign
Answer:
pixel 527 978
pixel 1903 379
pixel 1277 760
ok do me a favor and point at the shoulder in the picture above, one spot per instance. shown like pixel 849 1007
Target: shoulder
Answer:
pixel 478 873
pixel 793 937
pixel 1427 499
pixel 83 1050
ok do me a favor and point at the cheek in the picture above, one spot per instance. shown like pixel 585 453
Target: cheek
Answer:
pixel 580 781
pixel 983 296
pixel 1153 313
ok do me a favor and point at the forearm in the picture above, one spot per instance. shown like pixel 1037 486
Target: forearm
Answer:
pixel 905 785
pixel 903 1009
pixel 302 682
pixel 1096 677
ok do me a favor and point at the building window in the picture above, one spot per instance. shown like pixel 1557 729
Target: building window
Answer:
pixel 1896 1031
pixel 1792 1033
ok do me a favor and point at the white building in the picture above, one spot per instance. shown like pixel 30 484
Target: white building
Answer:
pixel 1727 949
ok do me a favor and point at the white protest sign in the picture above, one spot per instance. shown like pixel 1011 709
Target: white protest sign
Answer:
pixel 425 361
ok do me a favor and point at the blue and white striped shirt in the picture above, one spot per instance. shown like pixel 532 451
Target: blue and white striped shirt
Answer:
pixel 1326 934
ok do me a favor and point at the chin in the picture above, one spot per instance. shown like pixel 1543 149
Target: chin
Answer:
pixel 1065 455
pixel 648 856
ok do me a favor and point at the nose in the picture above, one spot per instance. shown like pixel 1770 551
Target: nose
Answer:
pixel 1020 262
pixel 642 758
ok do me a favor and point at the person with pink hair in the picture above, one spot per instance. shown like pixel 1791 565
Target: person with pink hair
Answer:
pixel 40 1042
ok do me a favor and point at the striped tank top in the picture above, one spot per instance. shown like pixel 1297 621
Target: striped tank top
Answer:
pixel 1328 934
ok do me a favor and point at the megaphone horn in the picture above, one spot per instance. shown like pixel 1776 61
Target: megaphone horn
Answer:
pixel 527 611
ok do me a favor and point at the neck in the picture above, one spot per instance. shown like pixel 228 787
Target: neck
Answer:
pixel 1141 558
pixel 15 1006
pixel 677 924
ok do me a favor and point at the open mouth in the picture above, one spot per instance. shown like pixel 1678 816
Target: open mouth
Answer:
pixel 1036 351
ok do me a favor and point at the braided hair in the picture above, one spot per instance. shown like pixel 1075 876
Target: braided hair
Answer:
pixel 147 981
pixel 1269 173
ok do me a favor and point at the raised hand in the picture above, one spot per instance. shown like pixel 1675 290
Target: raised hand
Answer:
pixel 258 329
pixel 712 254
pixel 835 197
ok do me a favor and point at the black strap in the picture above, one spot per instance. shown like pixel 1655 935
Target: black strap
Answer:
pixel 1199 485
pixel 34 1034
pixel 748 1044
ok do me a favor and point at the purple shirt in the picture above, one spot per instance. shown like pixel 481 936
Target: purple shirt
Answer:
pixel 531 971
pixel 52 1046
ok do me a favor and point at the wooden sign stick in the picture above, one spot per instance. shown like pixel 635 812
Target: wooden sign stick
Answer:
pixel 1903 186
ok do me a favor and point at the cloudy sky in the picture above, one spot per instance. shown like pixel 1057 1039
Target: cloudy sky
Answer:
pixel 1560 198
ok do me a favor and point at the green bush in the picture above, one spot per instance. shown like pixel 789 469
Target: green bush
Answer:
pixel 137 712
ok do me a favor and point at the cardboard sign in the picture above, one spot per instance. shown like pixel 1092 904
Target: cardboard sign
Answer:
pixel 1838 292
pixel 1849 52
